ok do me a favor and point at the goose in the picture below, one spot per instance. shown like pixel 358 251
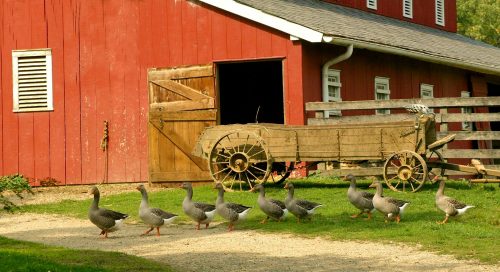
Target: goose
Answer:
pixel 153 217
pixel 359 199
pixel 202 213
pixel 106 220
pixel 230 211
pixel 450 206
pixel 273 208
pixel 299 207
pixel 390 207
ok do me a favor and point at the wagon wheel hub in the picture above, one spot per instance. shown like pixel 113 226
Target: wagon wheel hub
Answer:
pixel 405 172
pixel 239 162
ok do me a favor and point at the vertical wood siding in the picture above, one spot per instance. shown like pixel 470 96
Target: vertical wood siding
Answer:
pixel 101 52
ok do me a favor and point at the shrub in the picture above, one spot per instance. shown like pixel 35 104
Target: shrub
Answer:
pixel 48 182
pixel 16 184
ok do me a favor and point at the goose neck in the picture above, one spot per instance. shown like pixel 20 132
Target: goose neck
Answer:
pixel 95 203
pixel 220 196
pixel 440 191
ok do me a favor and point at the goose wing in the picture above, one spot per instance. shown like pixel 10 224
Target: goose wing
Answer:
pixel 308 205
pixel 237 207
pixel 161 213
pixel 367 195
pixel 455 203
pixel 204 206
pixel 112 214
pixel 397 202
pixel 278 203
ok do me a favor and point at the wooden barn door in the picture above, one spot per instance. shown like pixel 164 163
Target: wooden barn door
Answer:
pixel 181 105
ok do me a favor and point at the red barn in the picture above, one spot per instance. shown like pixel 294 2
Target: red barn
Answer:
pixel 68 66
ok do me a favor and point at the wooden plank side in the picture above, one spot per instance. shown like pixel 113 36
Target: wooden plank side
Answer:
pixel 71 11
pixel 233 38
pixel 2 75
pixel 180 176
pixel 111 100
pixel 53 19
pixel 133 92
pixel 184 105
pixel 400 103
pixel 168 130
pixel 471 153
pixel 175 25
pixel 24 39
pixel 180 89
pixel 204 35
pixel 199 115
pixel 189 41
pixel 91 39
pixel 472 135
pixel 219 36
pixel 180 72
pixel 469 117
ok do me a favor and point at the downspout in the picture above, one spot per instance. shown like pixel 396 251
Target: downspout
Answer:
pixel 347 54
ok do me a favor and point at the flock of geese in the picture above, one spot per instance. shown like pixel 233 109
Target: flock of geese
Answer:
pixel 204 213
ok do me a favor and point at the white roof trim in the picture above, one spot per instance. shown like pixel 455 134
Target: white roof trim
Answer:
pixel 266 19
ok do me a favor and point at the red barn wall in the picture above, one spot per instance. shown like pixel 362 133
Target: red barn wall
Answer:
pixel 101 51
pixel 423 11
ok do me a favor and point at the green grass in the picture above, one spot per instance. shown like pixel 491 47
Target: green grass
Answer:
pixel 26 256
pixel 472 236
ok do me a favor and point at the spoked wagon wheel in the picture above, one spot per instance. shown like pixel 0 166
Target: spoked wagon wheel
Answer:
pixel 432 158
pixel 405 170
pixel 239 157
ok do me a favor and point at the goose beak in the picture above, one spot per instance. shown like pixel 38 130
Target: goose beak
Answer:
pixel 373 185
pixel 286 186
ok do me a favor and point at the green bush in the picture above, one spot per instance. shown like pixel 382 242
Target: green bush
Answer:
pixel 13 183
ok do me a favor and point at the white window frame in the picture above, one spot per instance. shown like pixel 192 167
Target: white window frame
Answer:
pixel 426 92
pixel 408 9
pixel 332 73
pixel 385 81
pixel 466 125
pixel 371 4
pixel 31 82
pixel 439 11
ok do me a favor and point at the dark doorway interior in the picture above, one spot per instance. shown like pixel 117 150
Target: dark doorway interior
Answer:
pixel 494 90
pixel 251 92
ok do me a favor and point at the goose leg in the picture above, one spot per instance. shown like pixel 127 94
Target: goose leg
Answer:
pixel 264 221
pixel 369 216
pixel 398 218
pixel 230 227
pixel 356 215
pixel 102 232
pixel 198 226
pixel 444 221
pixel 158 231
pixel 105 235
pixel 148 231
pixel 206 225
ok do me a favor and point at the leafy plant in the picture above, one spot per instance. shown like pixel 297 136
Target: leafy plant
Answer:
pixel 16 184
pixel 48 182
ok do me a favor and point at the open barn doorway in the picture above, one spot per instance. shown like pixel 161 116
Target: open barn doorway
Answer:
pixel 251 92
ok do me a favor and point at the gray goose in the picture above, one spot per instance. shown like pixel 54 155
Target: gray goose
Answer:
pixel 202 213
pixel 450 206
pixel 230 211
pixel 273 208
pixel 106 220
pixel 299 207
pixel 390 207
pixel 153 217
pixel 359 199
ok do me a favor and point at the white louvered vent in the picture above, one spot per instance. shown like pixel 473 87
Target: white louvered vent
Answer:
pixel 408 8
pixel 440 12
pixel 371 4
pixel 32 80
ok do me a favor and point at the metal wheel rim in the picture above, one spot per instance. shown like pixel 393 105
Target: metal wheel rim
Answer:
pixel 253 164
pixel 410 171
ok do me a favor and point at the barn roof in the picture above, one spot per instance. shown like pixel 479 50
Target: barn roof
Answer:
pixel 318 21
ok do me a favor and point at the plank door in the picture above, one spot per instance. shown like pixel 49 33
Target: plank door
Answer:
pixel 181 105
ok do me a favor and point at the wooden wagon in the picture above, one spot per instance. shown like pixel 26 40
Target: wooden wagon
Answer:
pixel 256 153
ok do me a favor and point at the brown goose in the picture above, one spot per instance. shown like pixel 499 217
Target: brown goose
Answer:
pixel 273 208
pixel 390 207
pixel 361 200
pixel 230 211
pixel 202 213
pixel 299 207
pixel 153 217
pixel 450 206
pixel 106 220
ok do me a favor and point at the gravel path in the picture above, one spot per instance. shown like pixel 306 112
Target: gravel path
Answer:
pixel 215 249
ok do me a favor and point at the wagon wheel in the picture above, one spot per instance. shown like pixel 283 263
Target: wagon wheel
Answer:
pixel 281 171
pixel 405 170
pixel 434 156
pixel 239 157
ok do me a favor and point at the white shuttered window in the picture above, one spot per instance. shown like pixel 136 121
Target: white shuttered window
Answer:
pixel 32 80
pixel 408 8
pixel 371 4
pixel 440 12
pixel 382 92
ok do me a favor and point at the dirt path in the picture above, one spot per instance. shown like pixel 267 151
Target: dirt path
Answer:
pixel 215 249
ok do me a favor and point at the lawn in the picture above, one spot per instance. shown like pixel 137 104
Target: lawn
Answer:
pixel 472 236
pixel 27 256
